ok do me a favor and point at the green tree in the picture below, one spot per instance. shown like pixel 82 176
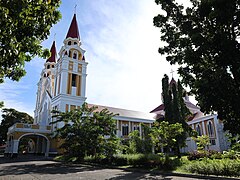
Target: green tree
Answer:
pixel 147 139
pixel 167 99
pixel 202 142
pixel 140 143
pixel 175 109
pixel 164 134
pixel 87 132
pixel 135 143
pixel 23 26
pixel 9 118
pixel 203 40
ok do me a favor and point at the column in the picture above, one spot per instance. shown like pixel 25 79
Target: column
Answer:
pixel 15 148
pixel 203 128
pixel 47 149
pixel 129 127
pixel 7 150
pixel 140 130
pixel 118 131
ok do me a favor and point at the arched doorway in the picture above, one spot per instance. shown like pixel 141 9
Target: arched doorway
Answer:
pixel 33 143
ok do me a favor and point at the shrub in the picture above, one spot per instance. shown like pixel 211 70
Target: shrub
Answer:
pixel 223 167
pixel 203 154
pixel 120 160
pixel 146 160
pixel 231 154
pixel 217 155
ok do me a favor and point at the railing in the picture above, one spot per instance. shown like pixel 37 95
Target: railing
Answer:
pixel 28 127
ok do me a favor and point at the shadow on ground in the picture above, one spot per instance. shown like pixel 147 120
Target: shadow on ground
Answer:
pixel 23 158
pixel 22 165
pixel 164 176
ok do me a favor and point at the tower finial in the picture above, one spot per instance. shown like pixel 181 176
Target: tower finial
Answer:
pixel 75 8
pixel 54 37
pixel 172 71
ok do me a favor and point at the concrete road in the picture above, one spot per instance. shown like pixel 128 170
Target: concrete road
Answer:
pixel 35 168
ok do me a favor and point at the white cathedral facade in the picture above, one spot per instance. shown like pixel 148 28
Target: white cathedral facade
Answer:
pixel 62 86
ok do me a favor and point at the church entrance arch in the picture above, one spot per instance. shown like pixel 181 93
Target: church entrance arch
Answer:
pixel 33 143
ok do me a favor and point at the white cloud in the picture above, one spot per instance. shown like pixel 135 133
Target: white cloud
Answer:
pixel 14 95
pixel 125 68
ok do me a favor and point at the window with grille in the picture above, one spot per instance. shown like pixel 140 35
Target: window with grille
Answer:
pixel 125 130
pixel 74 80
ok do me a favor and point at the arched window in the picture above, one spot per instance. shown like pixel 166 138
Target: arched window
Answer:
pixel 210 129
pixel 75 43
pixel 198 129
pixel 70 54
pixel 52 66
pixel 48 66
pixel 74 55
pixel 69 42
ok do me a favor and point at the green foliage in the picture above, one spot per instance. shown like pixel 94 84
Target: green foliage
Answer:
pixel 146 160
pixel 9 118
pixel 236 146
pixel 202 142
pixel 135 143
pixel 87 132
pixel 1 104
pixel 231 154
pixel 203 40
pixel 167 99
pixel 140 144
pixel 223 167
pixel 24 25
pixel 204 154
pixel 175 109
pixel 235 142
pixel 164 134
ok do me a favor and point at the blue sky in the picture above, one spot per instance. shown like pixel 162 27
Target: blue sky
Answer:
pixel 121 43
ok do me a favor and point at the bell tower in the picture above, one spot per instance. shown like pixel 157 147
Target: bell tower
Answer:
pixel 71 67
pixel 42 113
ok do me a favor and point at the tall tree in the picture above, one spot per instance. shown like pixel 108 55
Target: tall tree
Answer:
pixel 175 109
pixel 203 40
pixel 10 117
pixel 23 26
pixel 87 132
pixel 167 99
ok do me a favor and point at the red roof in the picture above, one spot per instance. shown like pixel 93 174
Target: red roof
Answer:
pixel 53 51
pixel 159 108
pixel 73 29
pixel 172 82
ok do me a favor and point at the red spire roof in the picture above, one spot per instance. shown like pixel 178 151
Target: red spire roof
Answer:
pixel 172 82
pixel 73 29
pixel 53 51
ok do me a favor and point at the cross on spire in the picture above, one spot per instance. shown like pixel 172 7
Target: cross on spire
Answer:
pixel 54 37
pixel 172 71
pixel 75 8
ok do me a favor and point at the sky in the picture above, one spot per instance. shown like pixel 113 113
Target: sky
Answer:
pixel 121 43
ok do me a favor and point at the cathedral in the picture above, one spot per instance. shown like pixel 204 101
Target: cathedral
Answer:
pixel 62 87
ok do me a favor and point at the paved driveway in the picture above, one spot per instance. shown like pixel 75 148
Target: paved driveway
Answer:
pixel 33 168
